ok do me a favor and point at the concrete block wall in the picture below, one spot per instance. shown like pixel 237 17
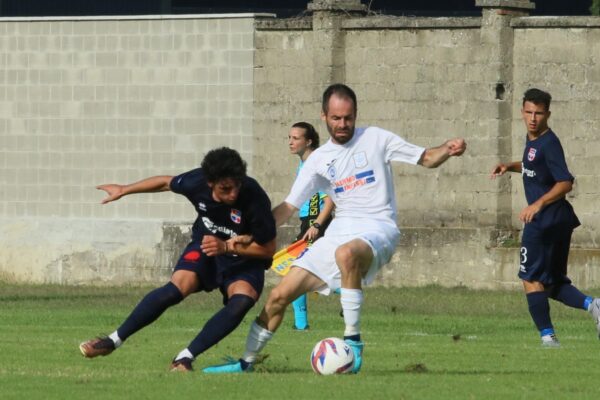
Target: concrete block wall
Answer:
pixel 111 100
pixel 89 101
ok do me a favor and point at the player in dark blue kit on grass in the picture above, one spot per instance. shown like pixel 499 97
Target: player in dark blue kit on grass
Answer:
pixel 549 219
pixel 233 240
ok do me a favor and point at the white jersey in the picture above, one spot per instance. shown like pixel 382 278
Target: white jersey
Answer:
pixel 357 175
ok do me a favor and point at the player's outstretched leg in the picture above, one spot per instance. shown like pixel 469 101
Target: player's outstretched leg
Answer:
pixel 570 296
pixel 146 312
pixel 257 339
pixel 296 282
pixel 300 313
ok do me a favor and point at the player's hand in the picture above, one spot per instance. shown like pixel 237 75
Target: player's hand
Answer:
pixel 311 234
pixel 456 146
pixel 498 170
pixel 527 214
pixel 241 239
pixel 115 192
pixel 213 246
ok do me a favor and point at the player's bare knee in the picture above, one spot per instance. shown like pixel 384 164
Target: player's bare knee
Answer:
pixel 347 260
pixel 278 299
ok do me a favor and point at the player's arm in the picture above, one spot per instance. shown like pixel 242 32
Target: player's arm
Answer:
pixel 328 206
pixel 433 157
pixel 283 212
pixel 213 246
pixel 502 168
pixel 558 191
pixel 148 185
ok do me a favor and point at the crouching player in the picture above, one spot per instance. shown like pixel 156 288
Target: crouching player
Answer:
pixel 233 240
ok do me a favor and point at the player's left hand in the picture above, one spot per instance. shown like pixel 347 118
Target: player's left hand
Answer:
pixel 527 214
pixel 456 146
pixel 311 234
pixel 213 246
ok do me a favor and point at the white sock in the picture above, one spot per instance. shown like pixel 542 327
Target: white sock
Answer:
pixel 257 339
pixel 351 300
pixel 116 339
pixel 185 353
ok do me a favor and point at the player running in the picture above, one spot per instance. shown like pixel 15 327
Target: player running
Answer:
pixel 233 240
pixel 354 169
pixel 549 219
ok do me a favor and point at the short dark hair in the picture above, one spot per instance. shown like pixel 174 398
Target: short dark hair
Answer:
pixel 223 163
pixel 537 96
pixel 339 90
pixel 310 133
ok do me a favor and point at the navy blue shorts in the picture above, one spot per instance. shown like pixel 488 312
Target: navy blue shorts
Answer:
pixel 220 271
pixel 545 255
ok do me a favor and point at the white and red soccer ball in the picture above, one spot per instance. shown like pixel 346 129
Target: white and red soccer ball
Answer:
pixel 332 356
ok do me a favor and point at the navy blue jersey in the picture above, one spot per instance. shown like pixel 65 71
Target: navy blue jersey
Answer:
pixel 249 215
pixel 543 166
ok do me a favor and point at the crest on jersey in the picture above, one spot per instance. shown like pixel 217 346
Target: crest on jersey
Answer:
pixel 236 216
pixel 531 154
pixel 360 159
pixel 331 171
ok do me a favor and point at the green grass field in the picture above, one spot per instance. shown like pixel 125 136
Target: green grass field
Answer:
pixel 426 343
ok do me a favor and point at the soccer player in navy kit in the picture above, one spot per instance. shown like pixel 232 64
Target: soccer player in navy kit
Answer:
pixel 549 219
pixel 233 240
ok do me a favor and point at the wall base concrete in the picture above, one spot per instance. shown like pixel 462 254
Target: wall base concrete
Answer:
pixel 143 252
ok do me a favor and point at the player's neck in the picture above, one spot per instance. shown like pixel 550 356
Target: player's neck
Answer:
pixel 305 155
pixel 536 135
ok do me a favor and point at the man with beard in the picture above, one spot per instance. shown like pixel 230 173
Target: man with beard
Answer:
pixel 353 167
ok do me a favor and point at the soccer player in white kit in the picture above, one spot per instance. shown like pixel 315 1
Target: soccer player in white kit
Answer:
pixel 354 169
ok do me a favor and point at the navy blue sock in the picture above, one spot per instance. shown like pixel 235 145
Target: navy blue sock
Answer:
pixel 222 323
pixel 149 309
pixel 539 308
pixel 570 296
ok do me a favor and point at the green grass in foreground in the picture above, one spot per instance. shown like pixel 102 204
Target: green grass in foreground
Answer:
pixel 425 343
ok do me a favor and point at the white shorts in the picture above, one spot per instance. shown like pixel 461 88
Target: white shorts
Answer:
pixel 319 259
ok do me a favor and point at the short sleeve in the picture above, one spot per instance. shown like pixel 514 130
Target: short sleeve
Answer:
pixel 262 223
pixel 555 160
pixel 307 183
pixel 398 149
pixel 187 182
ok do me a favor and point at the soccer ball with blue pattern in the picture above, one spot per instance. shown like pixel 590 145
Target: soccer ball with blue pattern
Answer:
pixel 332 356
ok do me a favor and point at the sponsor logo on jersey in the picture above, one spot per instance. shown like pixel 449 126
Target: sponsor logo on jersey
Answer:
pixel 236 216
pixel 213 228
pixel 360 159
pixel 201 206
pixel 531 154
pixel 354 181
pixel 528 172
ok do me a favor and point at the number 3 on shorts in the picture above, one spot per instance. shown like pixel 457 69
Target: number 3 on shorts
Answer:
pixel 523 255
